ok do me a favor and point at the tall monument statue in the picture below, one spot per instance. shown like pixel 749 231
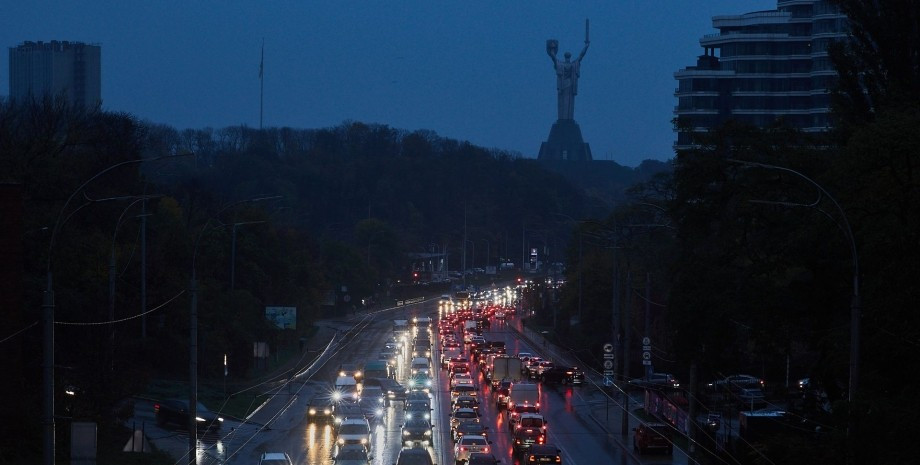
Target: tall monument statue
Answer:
pixel 565 141
pixel 567 73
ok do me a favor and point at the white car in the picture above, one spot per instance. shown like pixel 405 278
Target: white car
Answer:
pixel 461 379
pixel 354 431
pixel 469 445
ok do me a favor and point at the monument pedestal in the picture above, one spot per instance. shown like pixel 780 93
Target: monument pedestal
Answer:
pixel 565 143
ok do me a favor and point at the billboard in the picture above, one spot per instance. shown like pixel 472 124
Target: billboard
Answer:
pixel 282 317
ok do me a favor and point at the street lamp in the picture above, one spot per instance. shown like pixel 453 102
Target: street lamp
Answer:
pixel 854 299
pixel 193 333
pixel 48 443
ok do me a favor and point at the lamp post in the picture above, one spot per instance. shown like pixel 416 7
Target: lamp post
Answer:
pixel 193 333
pixel 48 440
pixel 854 298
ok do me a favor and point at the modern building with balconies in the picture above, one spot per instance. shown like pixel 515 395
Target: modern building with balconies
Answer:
pixel 762 67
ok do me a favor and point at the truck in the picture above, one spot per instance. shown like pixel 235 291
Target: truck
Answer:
pixel 504 367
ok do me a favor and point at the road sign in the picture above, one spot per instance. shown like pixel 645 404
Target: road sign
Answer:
pixel 608 364
pixel 608 348
pixel 646 355
pixel 609 356
pixel 608 381
pixel 647 362
pixel 646 341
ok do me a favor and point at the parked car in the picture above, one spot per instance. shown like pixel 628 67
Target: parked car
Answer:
pixel 655 380
pixel 735 383
pixel 652 436
pixel 175 412
pixel 275 458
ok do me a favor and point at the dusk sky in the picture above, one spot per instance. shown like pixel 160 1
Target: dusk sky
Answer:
pixel 469 70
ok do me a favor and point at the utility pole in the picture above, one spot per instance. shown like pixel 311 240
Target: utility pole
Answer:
pixel 648 299
pixel 626 323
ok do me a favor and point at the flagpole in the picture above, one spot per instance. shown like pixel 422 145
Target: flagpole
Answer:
pixel 261 83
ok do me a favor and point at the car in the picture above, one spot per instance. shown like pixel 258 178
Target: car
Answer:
pixel 655 380
pixel 523 438
pixel 470 445
pixel 418 410
pixel 563 375
pixel 470 428
pixel 414 456
pixel 514 413
pixel 275 458
pixel 713 421
pixel 353 431
pixel 751 398
pixel 416 432
pixel 483 459
pixel 461 379
pixel 531 420
pixel 352 455
pixel 734 383
pixel 351 369
pixel 501 394
pixel 321 409
pixel 542 453
pixel 463 415
pixel 175 412
pixel 652 436
pixel 373 402
pixel 466 402
pixel 463 390
pixel 347 410
pixel 395 392
pixel 420 382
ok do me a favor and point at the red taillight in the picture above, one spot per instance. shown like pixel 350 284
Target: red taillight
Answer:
pixel 533 458
pixel 485 450
pixel 558 459
pixel 156 408
pixel 462 449
pixel 538 405
pixel 541 439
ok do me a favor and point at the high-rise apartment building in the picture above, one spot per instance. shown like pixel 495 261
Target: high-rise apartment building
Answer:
pixel 763 66
pixel 71 69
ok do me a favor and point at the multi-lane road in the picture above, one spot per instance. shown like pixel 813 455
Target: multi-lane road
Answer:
pixel 581 439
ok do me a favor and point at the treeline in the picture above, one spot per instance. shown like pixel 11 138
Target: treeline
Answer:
pixel 310 212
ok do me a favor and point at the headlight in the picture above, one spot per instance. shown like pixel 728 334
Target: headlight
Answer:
pixel 357 374
pixel 312 411
pixel 378 412
pixel 327 411
pixel 427 416
pixel 428 433
pixel 200 419
pixel 363 440
pixel 341 441
pixel 220 419
pixel 405 433
pixel 342 373
pixel 408 416
pixel 336 396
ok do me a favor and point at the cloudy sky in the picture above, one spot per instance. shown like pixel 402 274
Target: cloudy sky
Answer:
pixel 472 70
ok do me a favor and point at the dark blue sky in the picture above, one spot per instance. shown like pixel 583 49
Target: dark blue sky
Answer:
pixel 472 70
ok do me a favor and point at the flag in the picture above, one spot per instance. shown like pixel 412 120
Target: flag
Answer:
pixel 262 61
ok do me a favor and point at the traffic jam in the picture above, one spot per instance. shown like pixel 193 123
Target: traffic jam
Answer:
pixel 452 387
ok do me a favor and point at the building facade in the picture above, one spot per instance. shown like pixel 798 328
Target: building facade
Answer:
pixel 57 68
pixel 761 67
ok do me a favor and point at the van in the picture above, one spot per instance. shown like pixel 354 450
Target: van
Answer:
pixel 346 388
pixel 524 394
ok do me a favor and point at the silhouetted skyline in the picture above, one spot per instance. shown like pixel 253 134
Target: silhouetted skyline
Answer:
pixel 472 71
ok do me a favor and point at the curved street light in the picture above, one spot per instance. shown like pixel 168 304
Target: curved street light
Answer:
pixel 855 299
pixel 48 443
